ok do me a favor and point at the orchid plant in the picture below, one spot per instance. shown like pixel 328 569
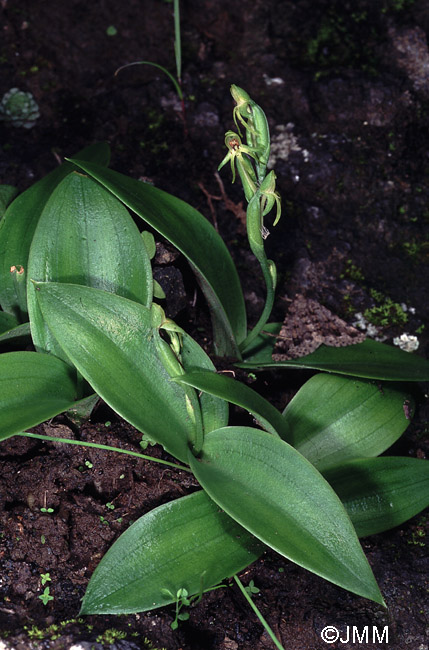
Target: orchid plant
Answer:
pixel 306 482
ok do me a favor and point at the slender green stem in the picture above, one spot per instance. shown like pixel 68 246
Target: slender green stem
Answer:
pixel 258 614
pixel 178 57
pixel 68 441
pixel 177 82
pixel 256 242
pixel 160 67
pixel 269 302
pixel 177 41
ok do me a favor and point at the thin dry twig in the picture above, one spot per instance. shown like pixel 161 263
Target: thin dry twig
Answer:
pixel 236 208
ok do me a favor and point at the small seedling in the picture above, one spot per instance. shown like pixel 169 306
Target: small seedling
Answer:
pixel 111 635
pixel 45 577
pixel 146 441
pixel 46 597
pixel 176 80
pixel 251 589
pixel 182 600
pixel 45 509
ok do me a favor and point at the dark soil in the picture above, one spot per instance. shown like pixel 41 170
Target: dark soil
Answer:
pixel 345 86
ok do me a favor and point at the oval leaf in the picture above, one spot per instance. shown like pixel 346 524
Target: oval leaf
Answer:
pixel 20 221
pixel 276 494
pixel 110 341
pixel 188 543
pixel 196 238
pixel 33 388
pixel 334 419
pixel 86 236
pixel 369 359
pixel 380 493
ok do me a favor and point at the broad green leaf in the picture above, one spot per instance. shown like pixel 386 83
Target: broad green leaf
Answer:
pixel 7 194
pixel 279 496
pixel 110 340
pixel 369 359
pixel 86 236
pixel 214 411
pixel 380 493
pixel 196 238
pixel 20 221
pixel 237 393
pixel 33 388
pixel 334 418
pixel 188 543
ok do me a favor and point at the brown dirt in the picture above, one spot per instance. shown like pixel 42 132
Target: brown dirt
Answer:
pixel 352 108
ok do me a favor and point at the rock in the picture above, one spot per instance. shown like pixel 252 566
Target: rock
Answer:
pixel 411 55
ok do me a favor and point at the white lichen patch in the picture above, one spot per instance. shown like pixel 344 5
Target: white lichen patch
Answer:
pixel 407 342
pixel 404 307
pixel 283 143
pixel 360 322
pixel 273 81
